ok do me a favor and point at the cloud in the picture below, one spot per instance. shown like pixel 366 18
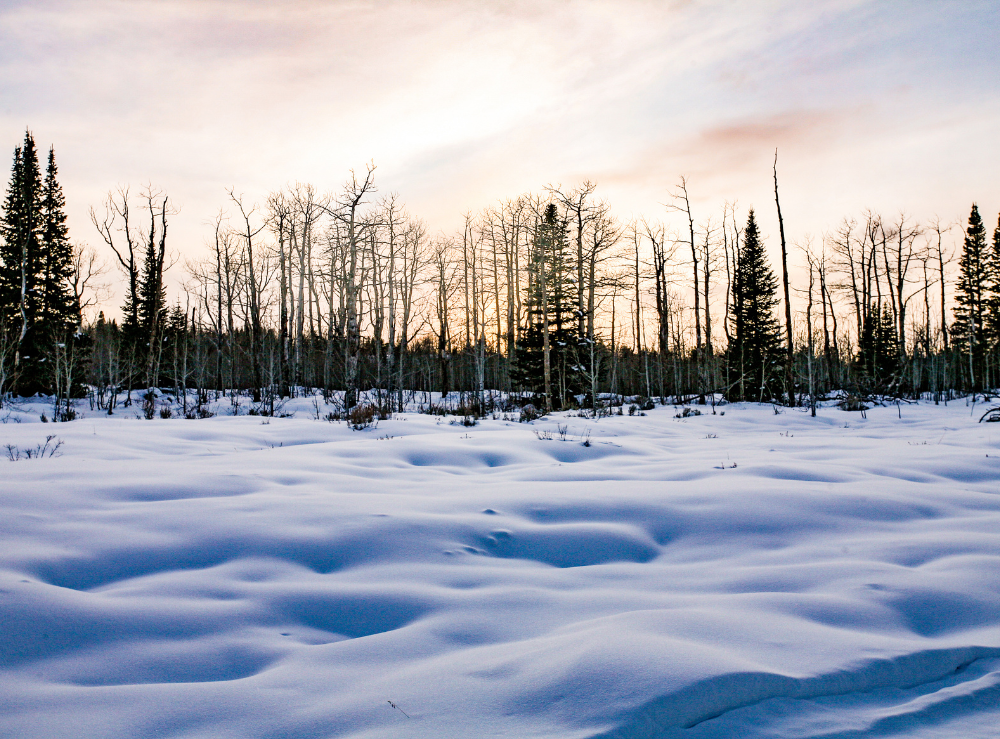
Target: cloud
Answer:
pixel 463 102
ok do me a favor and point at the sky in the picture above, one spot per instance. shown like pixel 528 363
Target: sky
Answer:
pixel 893 106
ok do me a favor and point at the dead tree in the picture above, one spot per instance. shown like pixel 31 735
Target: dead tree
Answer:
pixel 126 247
pixel 682 204
pixel 281 223
pixel 789 349
pixel 248 233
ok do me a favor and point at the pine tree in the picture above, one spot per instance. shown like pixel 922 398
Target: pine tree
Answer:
pixel 971 296
pixel 754 350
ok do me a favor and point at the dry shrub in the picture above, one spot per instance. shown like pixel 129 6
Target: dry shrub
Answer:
pixel 852 403
pixel 529 413
pixel 362 416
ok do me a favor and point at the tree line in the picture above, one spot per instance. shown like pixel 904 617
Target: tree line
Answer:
pixel 545 296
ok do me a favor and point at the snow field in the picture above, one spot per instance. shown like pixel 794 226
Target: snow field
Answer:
pixel 746 574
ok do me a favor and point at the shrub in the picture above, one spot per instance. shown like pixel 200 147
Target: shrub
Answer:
pixel 529 413
pixel 852 403
pixel 49 449
pixel 362 416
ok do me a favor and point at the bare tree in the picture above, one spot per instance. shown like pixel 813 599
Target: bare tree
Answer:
pixel 789 348
pixel 248 232
pixel 89 290
pixel 117 232
pixel 682 204
pixel 347 211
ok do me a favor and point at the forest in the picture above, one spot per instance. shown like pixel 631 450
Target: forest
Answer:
pixel 547 298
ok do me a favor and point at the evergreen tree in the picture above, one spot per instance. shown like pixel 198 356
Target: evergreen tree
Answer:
pixel 36 265
pixel 754 351
pixel 151 294
pixel 877 362
pixel 21 229
pixel 59 310
pixel 10 245
pixel 549 307
pixel 971 296
pixel 993 301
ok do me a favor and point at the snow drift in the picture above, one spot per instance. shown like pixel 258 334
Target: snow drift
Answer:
pixel 746 574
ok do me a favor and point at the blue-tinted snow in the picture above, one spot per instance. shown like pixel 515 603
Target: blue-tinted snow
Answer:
pixel 787 577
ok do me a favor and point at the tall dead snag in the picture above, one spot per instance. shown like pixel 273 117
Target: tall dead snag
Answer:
pixel 684 206
pixel 348 205
pixel 810 260
pixel 254 288
pixel 789 349
pixel 280 221
pixel 151 289
pixel 942 261
pixel 445 270
pixel 662 256
pixel 579 214
pixel 414 258
pixel 826 301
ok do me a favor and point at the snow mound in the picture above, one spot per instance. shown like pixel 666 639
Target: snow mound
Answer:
pixel 752 575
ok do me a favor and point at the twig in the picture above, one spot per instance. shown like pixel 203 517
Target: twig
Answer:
pixel 398 708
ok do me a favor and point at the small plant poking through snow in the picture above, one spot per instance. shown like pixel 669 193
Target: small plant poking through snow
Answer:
pixel 49 449
pixel 687 413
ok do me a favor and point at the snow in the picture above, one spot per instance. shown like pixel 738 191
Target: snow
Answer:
pixel 749 574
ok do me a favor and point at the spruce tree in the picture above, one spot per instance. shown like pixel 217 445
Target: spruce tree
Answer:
pixel 754 350
pixel 877 362
pixel 971 296
pixel 550 309
pixel 37 304
pixel 10 245
pixel 20 229
pixel 993 301
pixel 59 310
